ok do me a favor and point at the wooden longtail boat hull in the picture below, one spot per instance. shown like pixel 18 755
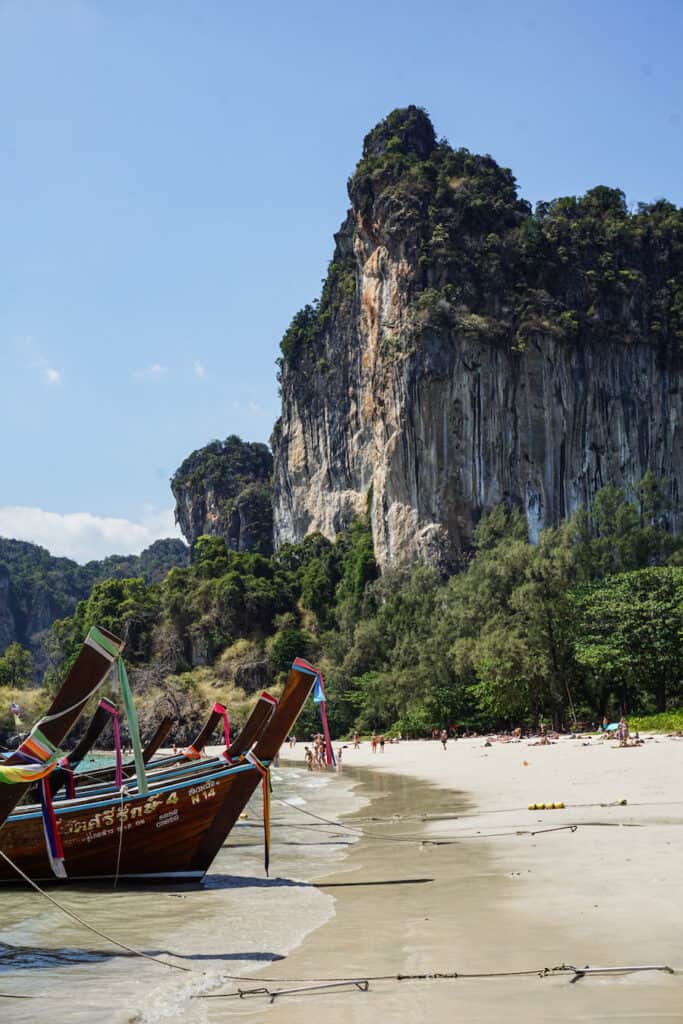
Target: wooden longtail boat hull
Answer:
pixel 172 832
pixel 161 834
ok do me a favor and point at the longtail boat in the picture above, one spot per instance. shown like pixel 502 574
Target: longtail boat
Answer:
pixel 187 762
pixel 65 774
pixel 172 831
pixel 194 751
pixel 40 751
pixel 157 740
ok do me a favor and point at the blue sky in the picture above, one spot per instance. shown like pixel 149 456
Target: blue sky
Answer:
pixel 171 174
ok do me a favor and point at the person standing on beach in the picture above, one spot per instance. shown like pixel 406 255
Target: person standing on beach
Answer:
pixel 381 744
pixel 444 738
pixel 356 741
pixel 622 733
pixel 308 754
pixel 373 743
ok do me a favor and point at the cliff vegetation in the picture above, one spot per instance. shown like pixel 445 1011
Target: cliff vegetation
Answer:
pixel 224 490
pixel 37 588
pixel 483 259
pixel 585 622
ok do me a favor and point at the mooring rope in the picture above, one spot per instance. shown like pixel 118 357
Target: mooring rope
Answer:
pixel 392 838
pixel 543 972
pixel 85 924
pixel 313 983
pixel 123 791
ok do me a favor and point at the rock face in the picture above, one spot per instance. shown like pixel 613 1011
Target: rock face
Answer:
pixel 224 490
pixel 8 626
pixel 466 352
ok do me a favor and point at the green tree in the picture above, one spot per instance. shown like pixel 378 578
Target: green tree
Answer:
pixel 287 645
pixel 508 616
pixel 618 535
pixel 16 666
pixel 629 635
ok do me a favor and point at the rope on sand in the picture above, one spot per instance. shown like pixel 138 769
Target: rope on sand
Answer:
pixel 318 984
pixel 84 924
pixel 431 842
pixel 461 837
pixel 363 983
pixel 427 818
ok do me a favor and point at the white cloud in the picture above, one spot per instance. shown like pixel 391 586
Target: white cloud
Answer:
pixel 153 372
pixel 38 362
pixel 251 407
pixel 83 536
pixel 199 369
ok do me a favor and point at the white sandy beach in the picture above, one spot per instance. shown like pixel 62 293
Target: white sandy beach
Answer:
pixel 608 894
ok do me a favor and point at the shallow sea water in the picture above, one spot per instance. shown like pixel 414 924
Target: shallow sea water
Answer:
pixel 234 923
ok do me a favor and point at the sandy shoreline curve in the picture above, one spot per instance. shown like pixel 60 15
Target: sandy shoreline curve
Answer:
pixel 495 897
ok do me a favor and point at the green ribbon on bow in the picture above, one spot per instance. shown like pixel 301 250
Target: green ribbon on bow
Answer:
pixel 128 703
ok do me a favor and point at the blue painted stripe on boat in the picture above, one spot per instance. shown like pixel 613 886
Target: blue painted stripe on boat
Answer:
pixel 200 774
pixel 179 769
pixel 233 770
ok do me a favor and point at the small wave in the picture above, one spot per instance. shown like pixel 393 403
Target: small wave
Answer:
pixel 174 1002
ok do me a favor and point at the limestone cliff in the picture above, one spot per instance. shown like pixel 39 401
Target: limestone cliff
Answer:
pixel 224 490
pixel 466 351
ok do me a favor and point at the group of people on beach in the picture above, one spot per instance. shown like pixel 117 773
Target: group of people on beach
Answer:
pixel 543 736
pixel 315 758
pixel 377 741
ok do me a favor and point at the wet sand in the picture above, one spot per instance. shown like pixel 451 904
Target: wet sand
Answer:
pixel 610 893
pixel 234 922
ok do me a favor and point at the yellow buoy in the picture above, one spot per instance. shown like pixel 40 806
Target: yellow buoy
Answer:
pixel 532 807
pixel 559 805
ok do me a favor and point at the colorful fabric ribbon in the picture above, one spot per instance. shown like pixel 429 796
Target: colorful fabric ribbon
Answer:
pixel 320 699
pixel 107 705
pixel 65 765
pixel 264 771
pixel 226 723
pixel 41 759
pixel 53 842
pixel 100 642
